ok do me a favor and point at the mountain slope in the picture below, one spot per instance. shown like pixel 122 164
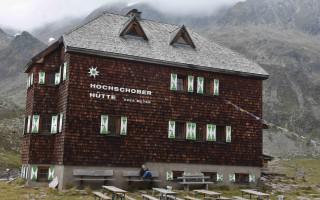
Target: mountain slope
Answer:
pixel 13 58
pixel 302 15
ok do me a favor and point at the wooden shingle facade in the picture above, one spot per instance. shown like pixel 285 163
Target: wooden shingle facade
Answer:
pixel 102 109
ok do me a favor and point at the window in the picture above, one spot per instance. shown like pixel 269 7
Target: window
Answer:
pixel 212 175
pixel 221 134
pixel 113 125
pixel 181 83
pixel 177 174
pixel 182 37
pixel 242 178
pixel 133 28
pixel 201 134
pixel 50 78
pixel 180 130
pixel 46 124
pixel 43 174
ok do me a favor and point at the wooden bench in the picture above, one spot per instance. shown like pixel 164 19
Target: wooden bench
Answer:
pixel 134 176
pixel 239 198
pixel 100 196
pixel 148 197
pixel 191 198
pixel 194 179
pixel 93 175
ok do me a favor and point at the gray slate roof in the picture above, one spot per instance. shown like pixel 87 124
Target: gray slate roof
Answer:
pixel 102 35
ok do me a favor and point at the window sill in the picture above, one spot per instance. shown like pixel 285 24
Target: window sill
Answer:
pixel 40 134
pixel 113 135
pixel 194 93
pixel 197 141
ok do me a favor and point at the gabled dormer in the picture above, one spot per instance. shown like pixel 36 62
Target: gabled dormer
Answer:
pixel 181 37
pixel 133 27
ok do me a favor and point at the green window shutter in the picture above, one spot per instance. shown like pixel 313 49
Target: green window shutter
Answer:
pixel 174 82
pixel 28 82
pixel 191 131
pixel 211 132
pixel 57 78
pixel 216 87
pixel 22 171
pixel 169 175
pixel 35 124
pixel 60 122
pixel 172 129
pixel 124 125
pixel 200 85
pixel 31 79
pixel 188 131
pixel 190 83
pixel 65 69
pixel 194 131
pixel 51 173
pixel 232 178
pixel 104 124
pixel 219 177
pixel 42 77
pixel 252 178
pixel 28 124
pixel 228 134
pixel 54 124
pixel 34 173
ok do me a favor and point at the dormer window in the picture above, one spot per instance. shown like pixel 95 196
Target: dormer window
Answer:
pixel 133 28
pixel 182 37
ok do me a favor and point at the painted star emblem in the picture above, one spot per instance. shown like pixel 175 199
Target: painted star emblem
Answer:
pixel 93 71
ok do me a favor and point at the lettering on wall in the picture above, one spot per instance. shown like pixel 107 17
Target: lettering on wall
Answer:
pixel 110 92
pixel 107 92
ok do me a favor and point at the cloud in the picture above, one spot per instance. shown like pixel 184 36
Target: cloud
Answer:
pixel 190 7
pixel 29 14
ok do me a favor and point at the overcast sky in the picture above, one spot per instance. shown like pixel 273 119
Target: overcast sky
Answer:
pixel 29 14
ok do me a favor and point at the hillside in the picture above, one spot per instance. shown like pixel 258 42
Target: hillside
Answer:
pixel 13 58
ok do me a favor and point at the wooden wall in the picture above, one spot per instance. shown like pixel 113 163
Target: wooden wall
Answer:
pixel 147 141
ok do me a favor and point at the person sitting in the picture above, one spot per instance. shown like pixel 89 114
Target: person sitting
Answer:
pixel 145 173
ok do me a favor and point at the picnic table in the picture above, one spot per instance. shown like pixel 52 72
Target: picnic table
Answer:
pixel 208 193
pixel 116 192
pixel 260 195
pixel 163 193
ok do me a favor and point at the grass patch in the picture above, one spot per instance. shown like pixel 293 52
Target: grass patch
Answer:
pixel 309 167
pixel 10 159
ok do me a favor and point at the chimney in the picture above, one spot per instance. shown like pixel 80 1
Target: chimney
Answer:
pixel 134 13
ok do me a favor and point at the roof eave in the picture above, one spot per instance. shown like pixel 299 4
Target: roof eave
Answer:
pixel 43 53
pixel 163 62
